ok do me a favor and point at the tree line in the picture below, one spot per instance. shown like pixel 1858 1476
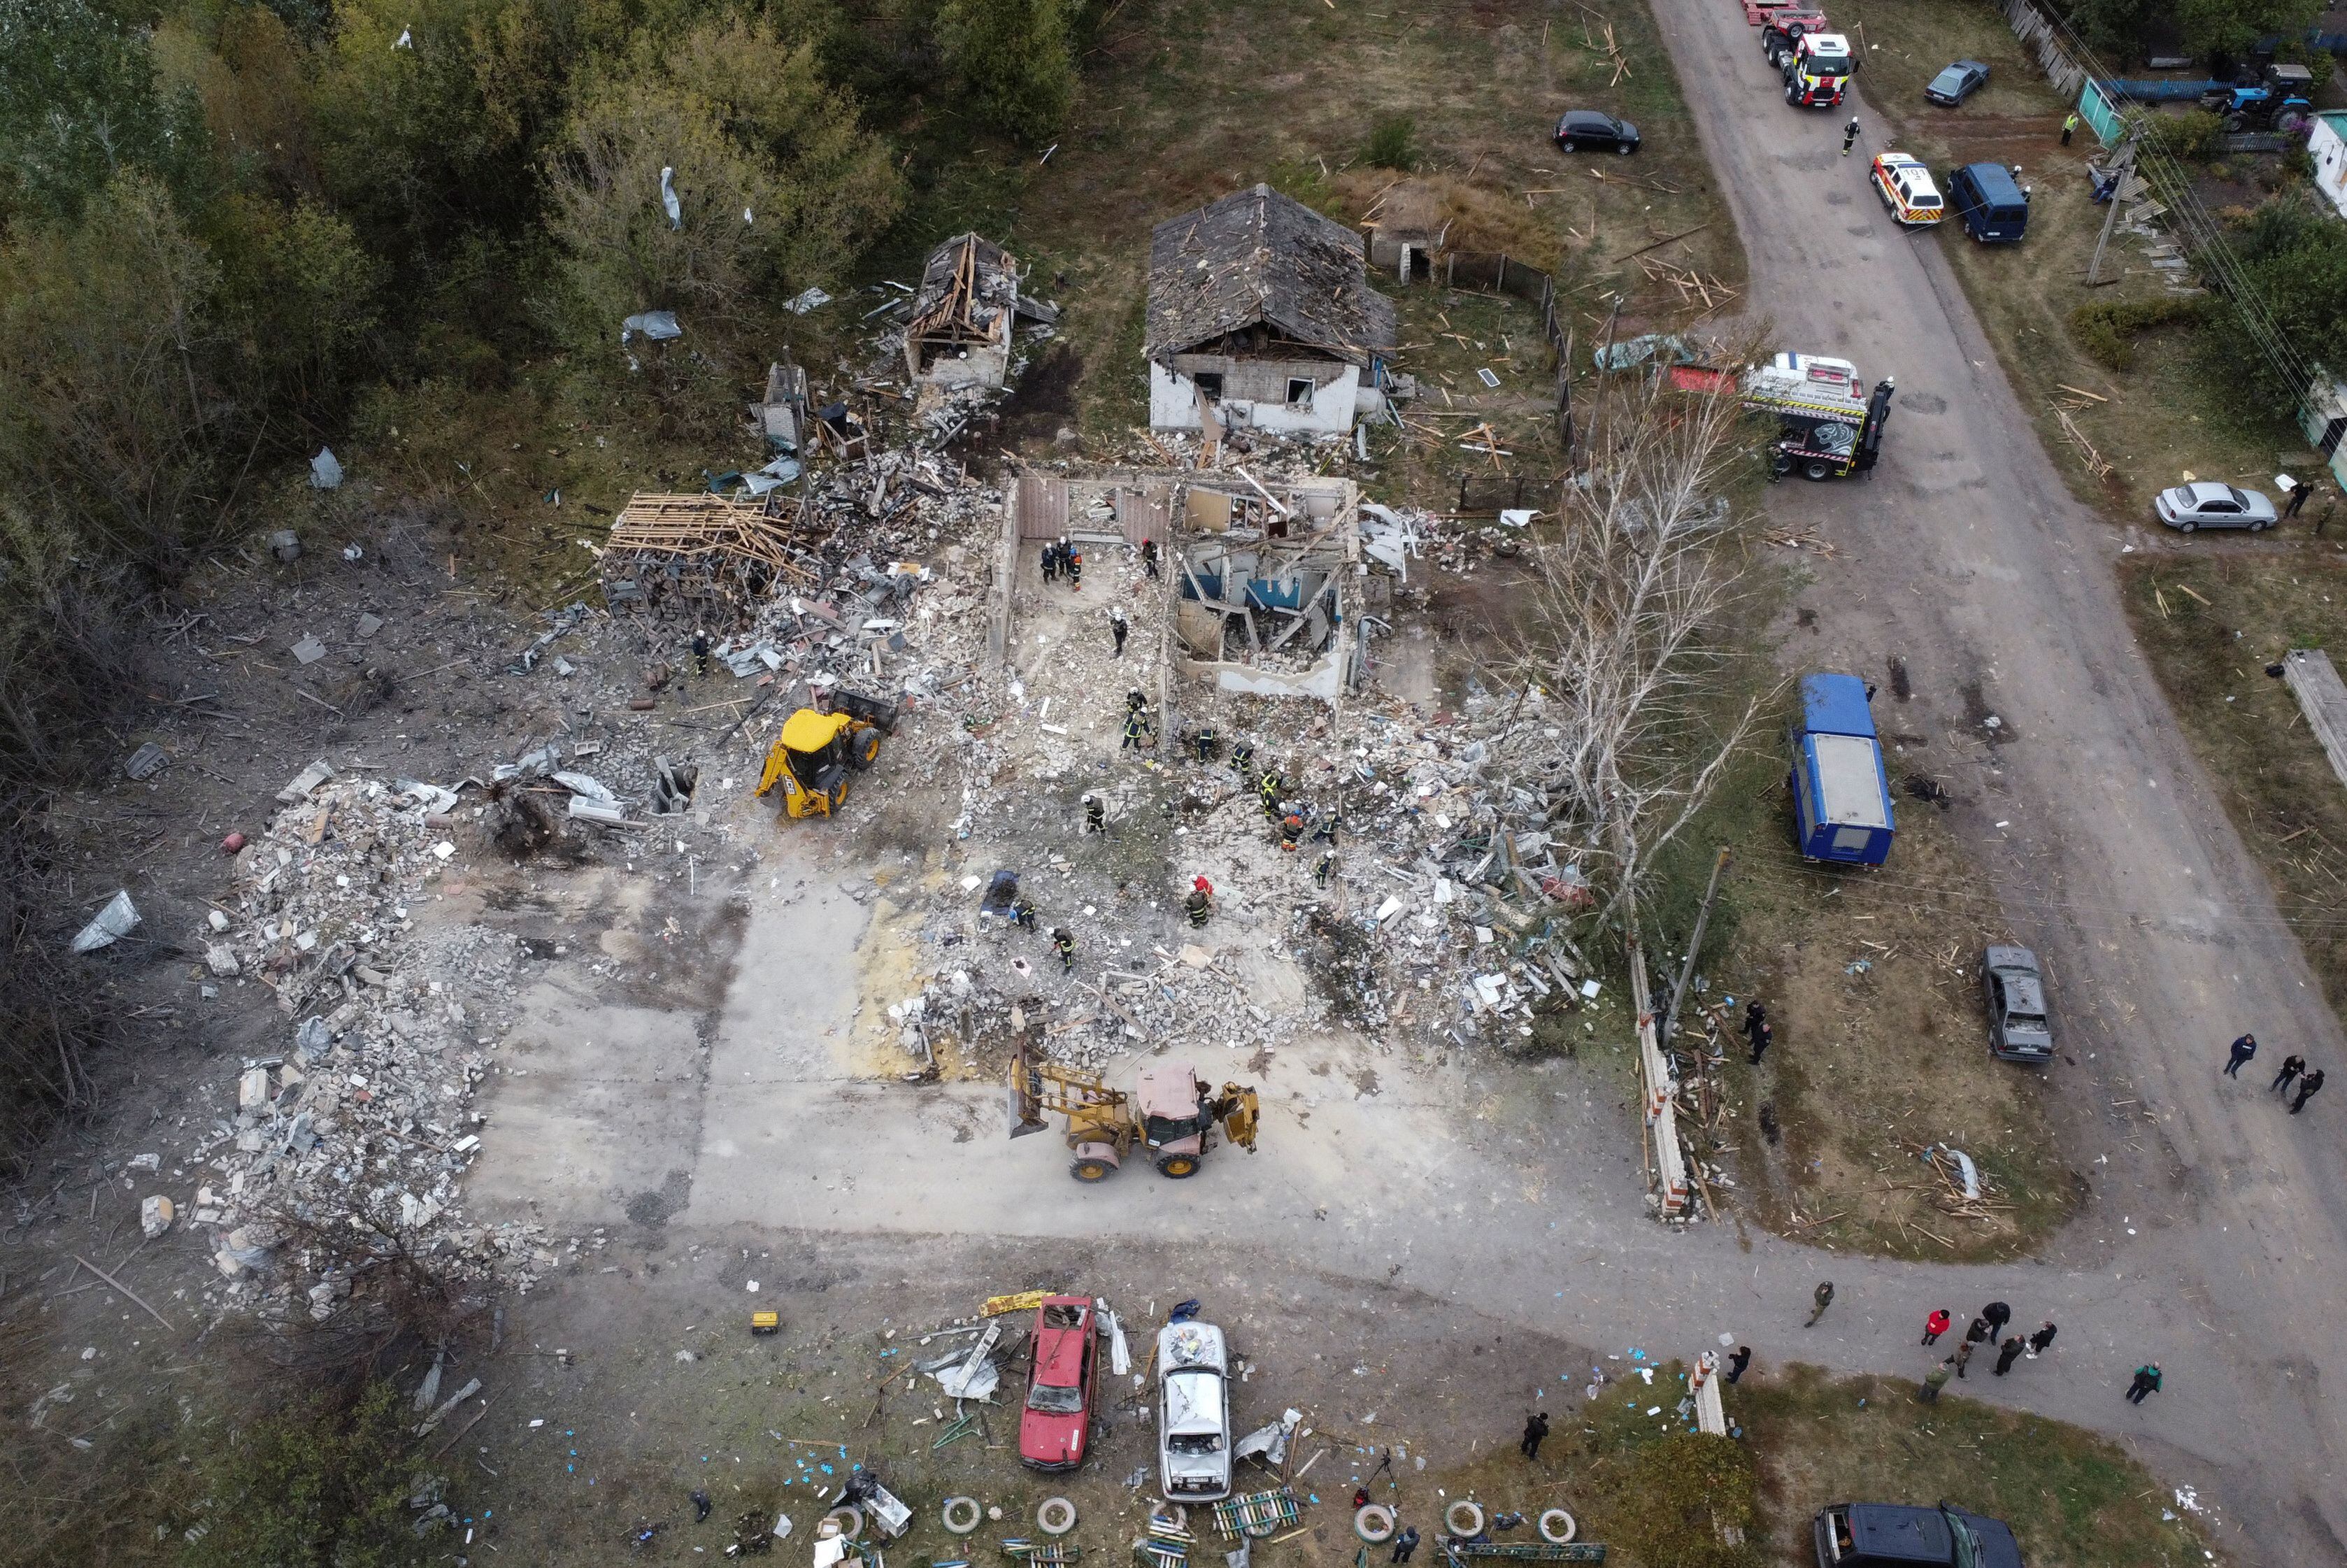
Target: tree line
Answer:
pixel 221 221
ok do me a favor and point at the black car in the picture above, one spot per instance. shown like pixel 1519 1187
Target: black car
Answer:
pixel 1957 83
pixel 1894 1535
pixel 1588 128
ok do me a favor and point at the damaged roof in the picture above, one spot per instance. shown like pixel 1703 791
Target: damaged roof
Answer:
pixel 1258 257
pixel 968 282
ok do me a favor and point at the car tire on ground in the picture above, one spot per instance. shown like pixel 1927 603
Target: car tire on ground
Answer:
pixel 848 1517
pixel 1374 1522
pixel 955 1505
pixel 1570 145
pixel 1088 1168
pixel 2186 526
pixel 1463 1518
pixel 1816 469
pixel 1625 148
pixel 1557 1527
pixel 2260 526
pixel 1177 1165
pixel 1055 1516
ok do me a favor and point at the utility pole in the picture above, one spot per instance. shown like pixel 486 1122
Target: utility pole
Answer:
pixel 1694 946
pixel 2126 166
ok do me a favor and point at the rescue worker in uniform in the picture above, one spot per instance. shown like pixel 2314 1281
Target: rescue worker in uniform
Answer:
pixel 1201 901
pixel 1205 740
pixel 1243 757
pixel 1267 790
pixel 1149 558
pixel 1136 727
pixel 1022 912
pixel 1065 946
pixel 1326 832
pixel 1073 560
pixel 1328 864
pixel 1095 816
pixel 1291 829
pixel 700 652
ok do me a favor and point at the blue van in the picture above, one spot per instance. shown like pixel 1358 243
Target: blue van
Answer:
pixel 1987 202
pixel 1841 795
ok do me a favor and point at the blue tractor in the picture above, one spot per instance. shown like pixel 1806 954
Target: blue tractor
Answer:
pixel 2278 99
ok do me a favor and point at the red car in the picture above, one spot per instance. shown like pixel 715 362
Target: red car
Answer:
pixel 1056 1422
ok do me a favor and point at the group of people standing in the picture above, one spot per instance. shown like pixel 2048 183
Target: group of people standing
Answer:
pixel 1988 1328
pixel 1063 562
pixel 2294 1071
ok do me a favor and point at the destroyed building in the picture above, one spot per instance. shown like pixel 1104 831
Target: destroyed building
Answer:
pixel 1261 317
pixel 1255 585
pixel 1257 598
pixel 962 318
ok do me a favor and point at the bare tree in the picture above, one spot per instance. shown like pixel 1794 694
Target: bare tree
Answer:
pixel 1631 596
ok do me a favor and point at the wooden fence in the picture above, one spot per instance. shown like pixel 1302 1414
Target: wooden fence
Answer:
pixel 2031 26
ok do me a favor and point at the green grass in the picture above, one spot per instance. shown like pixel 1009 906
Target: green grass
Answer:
pixel 2210 623
pixel 1869 1067
pixel 2071 1497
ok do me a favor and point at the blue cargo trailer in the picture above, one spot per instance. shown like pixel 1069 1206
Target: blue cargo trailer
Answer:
pixel 1841 795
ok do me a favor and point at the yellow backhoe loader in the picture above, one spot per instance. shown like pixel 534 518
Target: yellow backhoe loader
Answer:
pixel 819 748
pixel 1172 1114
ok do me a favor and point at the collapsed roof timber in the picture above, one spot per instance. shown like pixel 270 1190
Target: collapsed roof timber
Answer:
pixel 710 557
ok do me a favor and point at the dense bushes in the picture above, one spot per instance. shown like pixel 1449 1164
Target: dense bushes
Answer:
pixel 314 1486
pixel 2106 329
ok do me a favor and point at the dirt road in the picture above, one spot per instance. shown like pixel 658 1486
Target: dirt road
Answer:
pixel 1966 556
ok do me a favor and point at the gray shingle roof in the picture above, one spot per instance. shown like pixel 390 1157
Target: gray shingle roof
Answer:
pixel 1256 256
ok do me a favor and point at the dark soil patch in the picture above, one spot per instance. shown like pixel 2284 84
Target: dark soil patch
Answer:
pixel 1045 398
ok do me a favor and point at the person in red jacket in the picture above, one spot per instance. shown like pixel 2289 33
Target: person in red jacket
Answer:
pixel 1936 1325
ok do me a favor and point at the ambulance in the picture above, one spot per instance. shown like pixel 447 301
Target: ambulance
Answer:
pixel 1906 187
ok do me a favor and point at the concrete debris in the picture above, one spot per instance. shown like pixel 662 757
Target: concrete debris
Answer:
pixel 146 762
pixel 325 470
pixel 284 547
pixel 307 780
pixel 309 650
pixel 367 1112
pixel 155 1215
pixel 110 925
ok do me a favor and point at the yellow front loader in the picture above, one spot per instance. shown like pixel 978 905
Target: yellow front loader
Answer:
pixel 820 748
pixel 1173 1115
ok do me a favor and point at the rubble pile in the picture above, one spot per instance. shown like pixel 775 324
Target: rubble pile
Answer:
pixel 365 1115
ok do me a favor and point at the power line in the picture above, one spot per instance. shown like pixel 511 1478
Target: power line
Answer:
pixel 2208 245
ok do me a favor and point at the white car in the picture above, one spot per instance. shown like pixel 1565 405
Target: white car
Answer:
pixel 2188 508
pixel 1193 1413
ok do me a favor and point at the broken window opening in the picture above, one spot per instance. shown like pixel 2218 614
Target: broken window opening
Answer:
pixel 1299 390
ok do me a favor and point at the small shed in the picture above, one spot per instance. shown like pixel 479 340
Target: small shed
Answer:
pixel 1261 316
pixel 1406 227
pixel 964 313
